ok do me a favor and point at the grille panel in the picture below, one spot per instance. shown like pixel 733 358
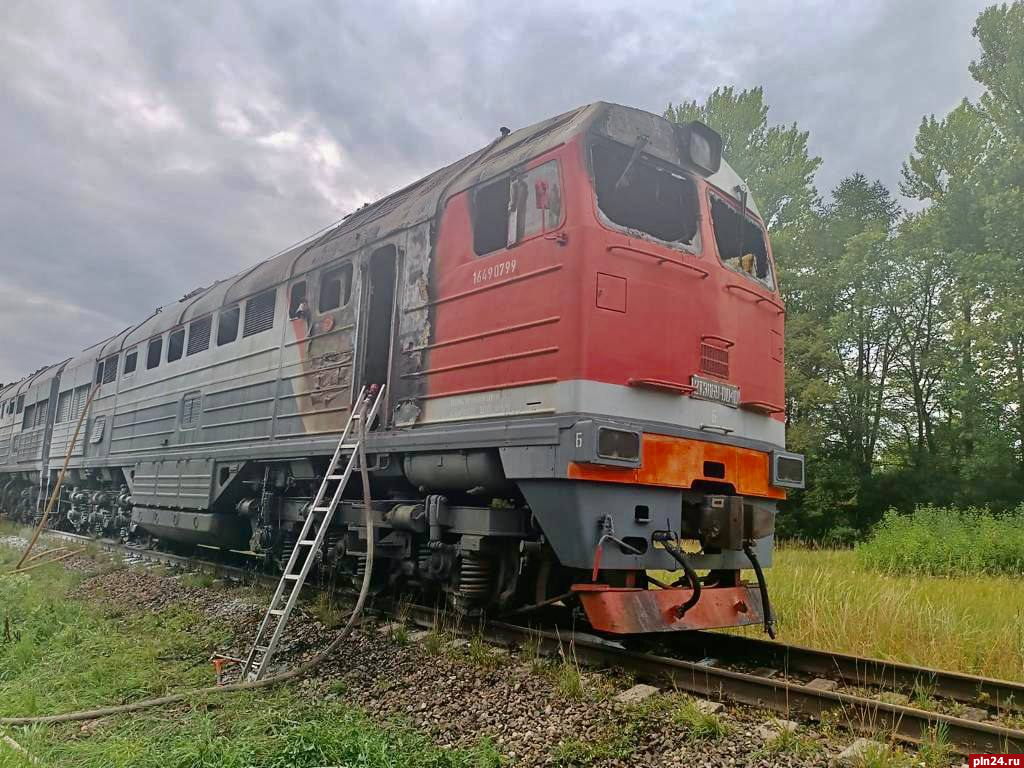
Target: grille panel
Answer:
pixel 714 361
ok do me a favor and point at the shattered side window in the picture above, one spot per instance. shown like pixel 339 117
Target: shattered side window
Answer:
pixel 535 202
pixel 741 243
pixel 516 207
pixel 636 194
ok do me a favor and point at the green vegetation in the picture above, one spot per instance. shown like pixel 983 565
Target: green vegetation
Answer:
pixel 829 599
pixel 791 743
pixel 905 330
pixel 63 655
pixel 943 541
pixel 699 725
pixel 577 752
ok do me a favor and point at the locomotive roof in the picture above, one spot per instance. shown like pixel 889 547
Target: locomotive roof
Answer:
pixel 414 204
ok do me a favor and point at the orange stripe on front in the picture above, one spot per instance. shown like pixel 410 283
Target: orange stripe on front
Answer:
pixel 677 462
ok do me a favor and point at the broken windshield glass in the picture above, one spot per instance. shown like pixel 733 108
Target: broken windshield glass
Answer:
pixel 741 243
pixel 641 196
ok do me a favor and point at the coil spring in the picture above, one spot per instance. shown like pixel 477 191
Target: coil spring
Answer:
pixel 360 565
pixel 474 576
pixel 289 540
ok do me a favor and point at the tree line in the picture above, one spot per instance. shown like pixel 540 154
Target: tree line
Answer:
pixel 905 328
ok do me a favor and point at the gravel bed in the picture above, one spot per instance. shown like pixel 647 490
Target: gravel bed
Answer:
pixel 460 693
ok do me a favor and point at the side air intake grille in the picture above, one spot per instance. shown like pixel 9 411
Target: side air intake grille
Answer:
pixel 259 314
pixel 199 335
pixel 714 361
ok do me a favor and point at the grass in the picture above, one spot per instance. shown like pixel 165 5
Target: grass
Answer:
pixel 577 752
pixel 791 743
pixel 830 599
pixel 65 654
pixel 699 725
pixel 945 541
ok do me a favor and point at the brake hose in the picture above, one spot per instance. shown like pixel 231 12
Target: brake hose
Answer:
pixel 677 554
pixel 762 585
pixel 300 671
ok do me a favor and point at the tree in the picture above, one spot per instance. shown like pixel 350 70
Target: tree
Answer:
pixel 773 160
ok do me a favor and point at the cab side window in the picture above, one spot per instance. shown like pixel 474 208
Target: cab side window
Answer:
pixel 335 288
pixel 516 207
pixel 297 301
pixel 741 243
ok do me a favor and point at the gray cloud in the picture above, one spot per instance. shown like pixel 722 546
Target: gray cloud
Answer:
pixel 151 148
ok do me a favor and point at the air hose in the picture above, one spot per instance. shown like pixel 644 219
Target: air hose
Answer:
pixel 300 671
pixel 762 585
pixel 669 542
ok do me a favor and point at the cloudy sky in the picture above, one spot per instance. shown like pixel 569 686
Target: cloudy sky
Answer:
pixel 149 148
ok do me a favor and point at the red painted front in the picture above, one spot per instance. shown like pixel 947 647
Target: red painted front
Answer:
pixel 625 611
pixel 602 306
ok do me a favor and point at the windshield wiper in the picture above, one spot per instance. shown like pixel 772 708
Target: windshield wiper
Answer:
pixel 641 142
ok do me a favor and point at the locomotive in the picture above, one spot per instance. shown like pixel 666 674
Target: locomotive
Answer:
pixel 580 335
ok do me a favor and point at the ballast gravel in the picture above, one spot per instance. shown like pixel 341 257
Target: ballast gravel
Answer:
pixel 462 693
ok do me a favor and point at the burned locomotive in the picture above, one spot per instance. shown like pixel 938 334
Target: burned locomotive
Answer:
pixel 581 337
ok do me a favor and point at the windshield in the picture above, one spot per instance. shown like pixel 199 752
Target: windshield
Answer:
pixel 741 243
pixel 638 195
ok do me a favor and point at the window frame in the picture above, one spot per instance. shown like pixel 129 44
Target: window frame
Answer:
pixel 344 297
pixel 695 248
pixel 170 343
pixel 159 342
pixel 294 312
pixel 237 310
pixel 521 170
pixel 712 194
pixel 131 356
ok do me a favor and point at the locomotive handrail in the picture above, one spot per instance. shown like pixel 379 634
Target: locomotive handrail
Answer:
pixel 713 337
pixel 756 295
pixel 704 274
pixel 761 405
pixel 663 385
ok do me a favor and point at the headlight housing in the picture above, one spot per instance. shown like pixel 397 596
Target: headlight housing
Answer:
pixel 787 469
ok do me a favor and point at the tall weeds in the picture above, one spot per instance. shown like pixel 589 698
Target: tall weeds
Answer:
pixel 946 541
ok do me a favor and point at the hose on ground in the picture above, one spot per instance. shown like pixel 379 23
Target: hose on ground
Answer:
pixel 298 672
pixel 762 585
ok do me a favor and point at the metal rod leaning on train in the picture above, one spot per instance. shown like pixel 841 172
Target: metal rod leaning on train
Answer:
pixel 300 671
pixel 60 478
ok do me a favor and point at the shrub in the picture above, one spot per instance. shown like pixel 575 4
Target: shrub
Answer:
pixel 946 541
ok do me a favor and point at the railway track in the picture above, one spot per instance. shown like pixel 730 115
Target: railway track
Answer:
pixel 785 679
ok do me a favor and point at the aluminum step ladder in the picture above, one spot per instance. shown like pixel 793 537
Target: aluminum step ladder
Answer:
pixel 303 555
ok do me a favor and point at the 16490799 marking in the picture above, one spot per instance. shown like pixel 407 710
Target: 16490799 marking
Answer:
pixel 494 271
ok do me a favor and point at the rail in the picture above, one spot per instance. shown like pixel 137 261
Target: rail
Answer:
pixel 776 689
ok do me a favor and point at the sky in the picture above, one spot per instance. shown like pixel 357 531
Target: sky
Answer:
pixel 149 148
